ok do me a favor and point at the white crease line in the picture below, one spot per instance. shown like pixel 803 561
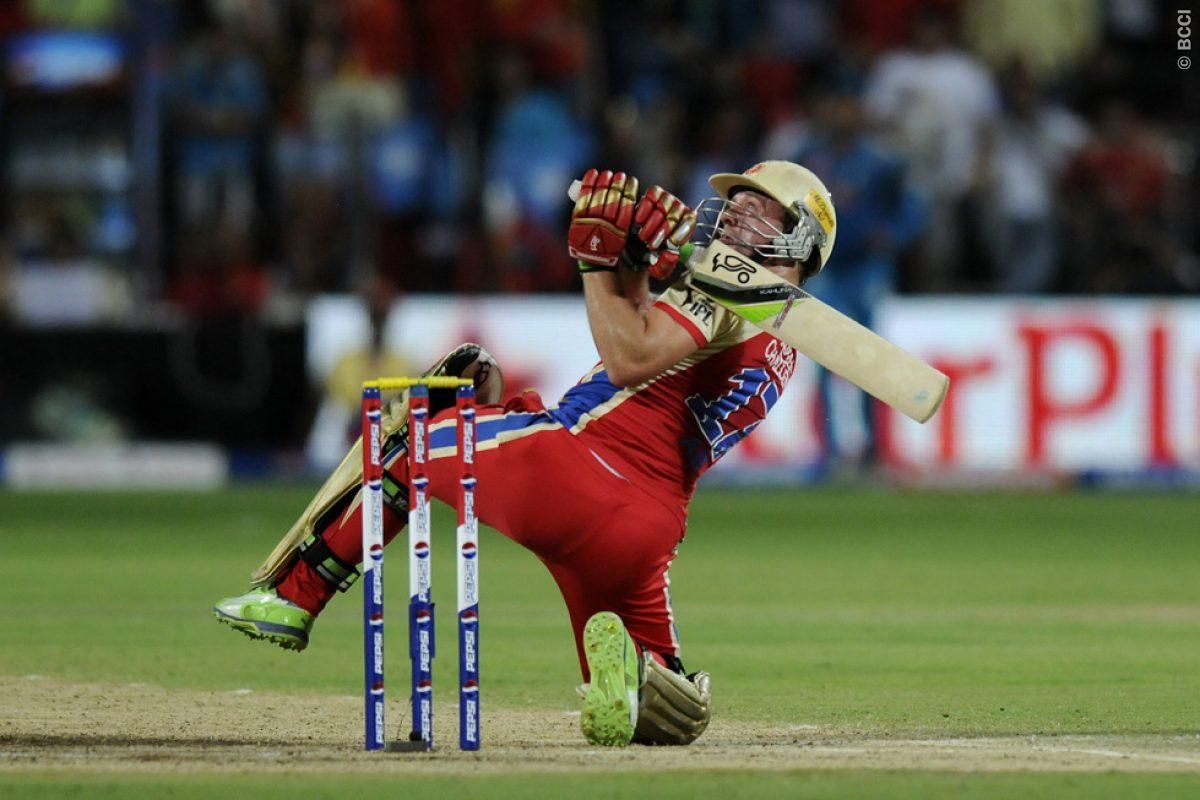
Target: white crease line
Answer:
pixel 1017 747
pixel 1119 754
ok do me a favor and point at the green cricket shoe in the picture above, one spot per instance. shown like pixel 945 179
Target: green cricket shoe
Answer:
pixel 262 614
pixel 611 703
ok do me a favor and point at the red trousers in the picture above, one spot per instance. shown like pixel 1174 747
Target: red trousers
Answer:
pixel 607 542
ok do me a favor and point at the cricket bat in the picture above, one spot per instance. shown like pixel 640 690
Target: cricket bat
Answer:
pixel 827 336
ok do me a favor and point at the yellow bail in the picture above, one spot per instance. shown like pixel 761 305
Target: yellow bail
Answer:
pixel 437 382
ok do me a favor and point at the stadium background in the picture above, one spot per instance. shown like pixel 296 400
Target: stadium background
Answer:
pixel 215 217
pixel 208 208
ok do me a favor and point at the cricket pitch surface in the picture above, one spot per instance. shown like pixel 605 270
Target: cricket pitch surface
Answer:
pixel 130 728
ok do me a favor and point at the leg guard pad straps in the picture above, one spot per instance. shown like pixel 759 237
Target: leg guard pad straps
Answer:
pixel 395 495
pixel 337 573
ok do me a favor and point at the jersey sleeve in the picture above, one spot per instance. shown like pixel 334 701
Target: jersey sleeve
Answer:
pixel 695 312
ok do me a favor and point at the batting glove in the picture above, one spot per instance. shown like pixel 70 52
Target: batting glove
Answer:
pixel 664 224
pixel 601 219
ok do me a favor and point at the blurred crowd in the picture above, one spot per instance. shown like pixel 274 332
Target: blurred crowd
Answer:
pixel 308 146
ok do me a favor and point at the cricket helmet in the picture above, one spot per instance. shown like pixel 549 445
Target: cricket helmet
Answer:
pixel 804 196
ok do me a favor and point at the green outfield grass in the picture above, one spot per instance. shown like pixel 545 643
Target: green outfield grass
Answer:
pixel 867 612
pixel 724 785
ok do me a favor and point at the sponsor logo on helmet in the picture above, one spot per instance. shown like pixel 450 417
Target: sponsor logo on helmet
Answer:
pixel 820 209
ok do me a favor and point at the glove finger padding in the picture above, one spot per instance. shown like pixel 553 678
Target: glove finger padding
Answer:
pixel 601 218
pixel 664 224
pixel 621 194
pixel 674 709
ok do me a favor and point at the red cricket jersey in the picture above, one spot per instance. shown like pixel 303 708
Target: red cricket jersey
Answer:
pixel 665 433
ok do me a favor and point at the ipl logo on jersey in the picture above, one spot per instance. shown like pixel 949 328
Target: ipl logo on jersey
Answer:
pixel 699 306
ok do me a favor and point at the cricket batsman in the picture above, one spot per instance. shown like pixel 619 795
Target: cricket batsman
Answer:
pixel 598 484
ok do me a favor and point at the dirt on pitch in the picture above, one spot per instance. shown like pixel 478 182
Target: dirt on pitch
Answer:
pixel 49 724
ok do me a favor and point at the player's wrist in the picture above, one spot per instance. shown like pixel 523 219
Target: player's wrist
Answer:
pixel 587 269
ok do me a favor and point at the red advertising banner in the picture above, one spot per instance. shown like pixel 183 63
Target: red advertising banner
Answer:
pixel 1038 386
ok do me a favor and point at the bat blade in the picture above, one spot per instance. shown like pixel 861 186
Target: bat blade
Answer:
pixel 830 338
